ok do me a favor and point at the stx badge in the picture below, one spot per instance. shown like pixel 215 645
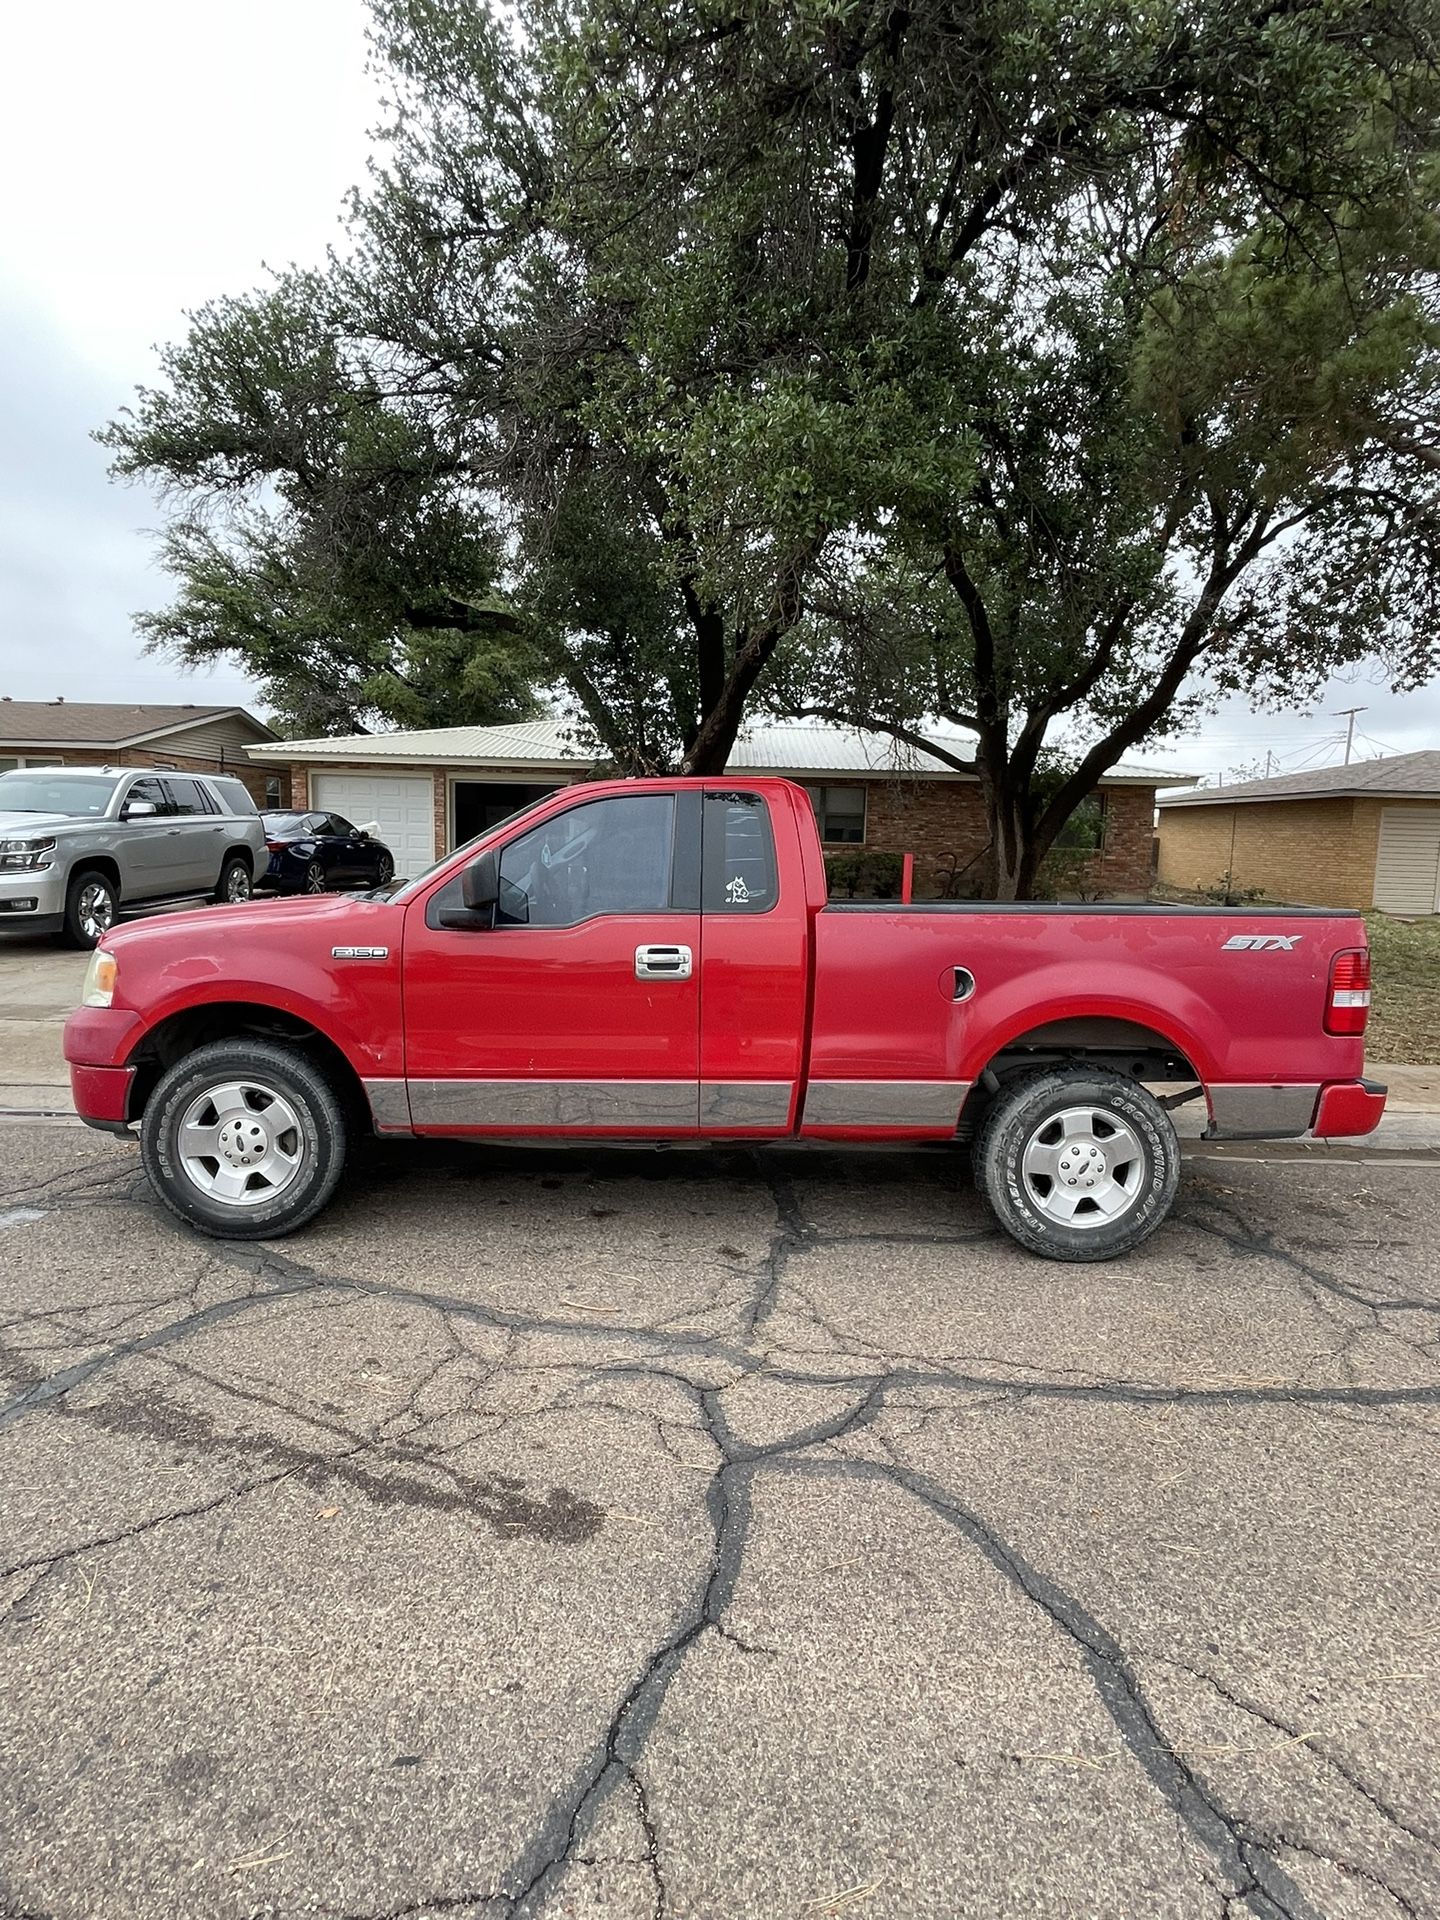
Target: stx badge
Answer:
pixel 1262 942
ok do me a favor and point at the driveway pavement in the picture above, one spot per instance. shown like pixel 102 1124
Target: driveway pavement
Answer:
pixel 717 1536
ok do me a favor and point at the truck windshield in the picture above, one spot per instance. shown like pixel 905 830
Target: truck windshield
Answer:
pixel 74 793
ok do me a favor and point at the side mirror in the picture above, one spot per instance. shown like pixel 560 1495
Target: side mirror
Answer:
pixel 138 810
pixel 479 889
pixel 480 882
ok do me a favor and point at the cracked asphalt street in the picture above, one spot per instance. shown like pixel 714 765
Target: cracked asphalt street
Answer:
pixel 717 1535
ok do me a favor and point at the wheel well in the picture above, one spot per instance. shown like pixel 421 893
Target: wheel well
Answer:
pixel 238 847
pixel 96 863
pixel 182 1033
pixel 1120 1046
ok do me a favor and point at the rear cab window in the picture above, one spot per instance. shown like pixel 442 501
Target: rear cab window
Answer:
pixel 739 873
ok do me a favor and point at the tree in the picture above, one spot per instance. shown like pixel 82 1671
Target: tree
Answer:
pixel 886 360
pixel 1189 481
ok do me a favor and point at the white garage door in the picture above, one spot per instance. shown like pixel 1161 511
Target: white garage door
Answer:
pixel 1407 863
pixel 403 805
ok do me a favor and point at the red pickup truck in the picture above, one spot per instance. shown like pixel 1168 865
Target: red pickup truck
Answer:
pixel 653 960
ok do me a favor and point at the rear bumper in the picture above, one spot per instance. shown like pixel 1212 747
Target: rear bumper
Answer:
pixel 1348 1108
pixel 1295 1110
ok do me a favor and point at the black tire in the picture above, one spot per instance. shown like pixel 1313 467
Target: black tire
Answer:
pixel 1140 1188
pixel 314 881
pixel 92 906
pixel 384 871
pixel 265 1073
pixel 235 870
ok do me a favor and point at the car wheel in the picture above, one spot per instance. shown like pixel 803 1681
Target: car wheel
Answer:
pixel 384 870
pixel 314 878
pixel 1078 1164
pixel 91 906
pixel 234 882
pixel 244 1139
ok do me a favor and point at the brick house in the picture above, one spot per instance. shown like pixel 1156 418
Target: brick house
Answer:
pixel 191 739
pixel 1363 835
pixel 429 790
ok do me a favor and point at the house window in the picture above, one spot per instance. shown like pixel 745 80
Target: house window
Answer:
pixel 840 815
pixel 9 764
pixel 272 790
pixel 1084 831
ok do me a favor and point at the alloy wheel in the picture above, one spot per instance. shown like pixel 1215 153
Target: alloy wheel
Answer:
pixel 1083 1167
pixel 95 909
pixel 240 1143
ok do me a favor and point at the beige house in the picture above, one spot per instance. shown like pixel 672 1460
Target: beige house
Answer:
pixel 1364 835
pixel 95 733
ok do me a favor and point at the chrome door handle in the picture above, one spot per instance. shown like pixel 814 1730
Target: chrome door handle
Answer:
pixel 662 963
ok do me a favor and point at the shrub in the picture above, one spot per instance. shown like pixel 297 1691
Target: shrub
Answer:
pixel 857 875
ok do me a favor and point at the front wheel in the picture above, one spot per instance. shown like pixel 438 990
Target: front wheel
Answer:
pixel 1078 1164
pixel 234 881
pixel 91 904
pixel 244 1139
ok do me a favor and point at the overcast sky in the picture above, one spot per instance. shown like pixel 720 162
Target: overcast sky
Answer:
pixel 158 153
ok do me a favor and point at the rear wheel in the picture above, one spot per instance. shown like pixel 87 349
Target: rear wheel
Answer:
pixel 314 878
pixel 244 1139
pixel 91 906
pixel 234 881
pixel 1078 1164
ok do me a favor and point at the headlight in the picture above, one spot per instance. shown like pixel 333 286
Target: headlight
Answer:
pixel 24 856
pixel 99 988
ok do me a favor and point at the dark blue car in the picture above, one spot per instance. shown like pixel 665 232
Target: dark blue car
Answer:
pixel 313 852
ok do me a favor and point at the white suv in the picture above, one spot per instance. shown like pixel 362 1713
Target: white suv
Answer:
pixel 79 844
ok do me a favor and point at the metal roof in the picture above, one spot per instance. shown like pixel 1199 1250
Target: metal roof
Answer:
pixel 552 745
pixel 97 723
pixel 1397 776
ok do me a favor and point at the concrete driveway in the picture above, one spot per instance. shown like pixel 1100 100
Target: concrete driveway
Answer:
pixel 717 1535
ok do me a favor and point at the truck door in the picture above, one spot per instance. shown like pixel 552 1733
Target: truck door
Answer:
pixel 579 1010
pixel 754 993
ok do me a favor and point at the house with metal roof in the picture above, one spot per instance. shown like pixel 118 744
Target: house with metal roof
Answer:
pixel 97 733
pixel 1362 835
pixel 432 788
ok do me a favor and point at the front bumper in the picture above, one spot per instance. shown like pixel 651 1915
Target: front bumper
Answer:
pixel 32 901
pixel 1348 1108
pixel 102 1096
pixel 97 1045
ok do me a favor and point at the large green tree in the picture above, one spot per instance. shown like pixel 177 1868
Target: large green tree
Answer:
pixel 1008 362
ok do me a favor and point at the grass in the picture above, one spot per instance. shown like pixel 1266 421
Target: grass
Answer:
pixel 1405 1011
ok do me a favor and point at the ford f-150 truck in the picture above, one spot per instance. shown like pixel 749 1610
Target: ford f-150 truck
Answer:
pixel 656 960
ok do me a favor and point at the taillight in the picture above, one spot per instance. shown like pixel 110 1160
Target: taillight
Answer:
pixel 1348 1006
pixel 276 846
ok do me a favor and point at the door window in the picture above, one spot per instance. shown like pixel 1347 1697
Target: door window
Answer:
pixel 185 796
pixel 610 856
pixel 148 790
pixel 738 854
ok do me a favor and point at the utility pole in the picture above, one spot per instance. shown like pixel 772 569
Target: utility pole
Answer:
pixel 1269 756
pixel 1349 713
